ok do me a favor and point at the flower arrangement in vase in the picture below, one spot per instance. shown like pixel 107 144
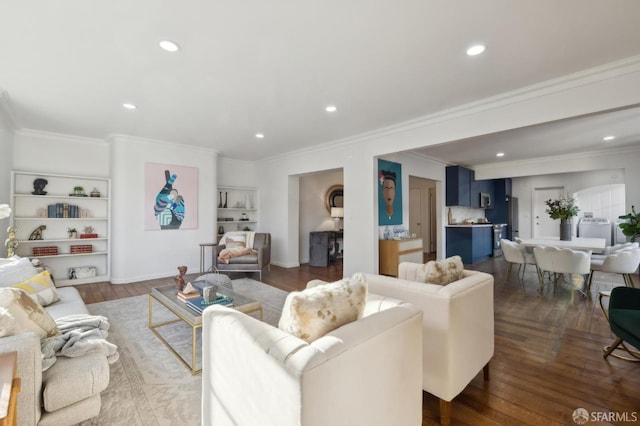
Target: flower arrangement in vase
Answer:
pixel 564 208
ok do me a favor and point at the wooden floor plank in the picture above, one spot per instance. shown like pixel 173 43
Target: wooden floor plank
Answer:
pixel 548 352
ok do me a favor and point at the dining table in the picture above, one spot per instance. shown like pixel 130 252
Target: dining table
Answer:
pixel 595 245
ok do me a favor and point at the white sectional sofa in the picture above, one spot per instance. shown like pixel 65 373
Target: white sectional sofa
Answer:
pixel 69 391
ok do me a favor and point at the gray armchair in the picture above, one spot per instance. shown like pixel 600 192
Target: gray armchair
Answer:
pixel 250 262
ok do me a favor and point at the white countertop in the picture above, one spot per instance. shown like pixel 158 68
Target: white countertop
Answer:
pixel 475 225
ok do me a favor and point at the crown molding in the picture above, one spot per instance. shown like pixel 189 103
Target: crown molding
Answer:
pixel 62 137
pixel 151 141
pixel 581 78
pixel 555 158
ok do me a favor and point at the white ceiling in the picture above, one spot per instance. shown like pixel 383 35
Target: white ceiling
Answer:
pixel 272 67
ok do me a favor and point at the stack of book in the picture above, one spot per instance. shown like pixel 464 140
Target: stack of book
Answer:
pixel 198 305
pixel 185 297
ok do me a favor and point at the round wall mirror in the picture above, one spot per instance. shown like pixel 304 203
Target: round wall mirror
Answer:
pixel 334 197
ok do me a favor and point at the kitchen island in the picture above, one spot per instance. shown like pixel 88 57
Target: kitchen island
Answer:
pixel 473 243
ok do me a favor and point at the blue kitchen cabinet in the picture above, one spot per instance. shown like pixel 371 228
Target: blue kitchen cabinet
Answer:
pixel 458 186
pixel 481 187
pixel 472 243
pixel 502 190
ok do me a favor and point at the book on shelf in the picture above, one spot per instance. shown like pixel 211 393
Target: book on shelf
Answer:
pixel 199 304
pixel 188 296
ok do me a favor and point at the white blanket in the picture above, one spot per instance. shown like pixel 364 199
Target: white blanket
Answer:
pixel 79 335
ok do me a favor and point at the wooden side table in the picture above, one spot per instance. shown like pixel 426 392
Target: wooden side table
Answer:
pixel 9 388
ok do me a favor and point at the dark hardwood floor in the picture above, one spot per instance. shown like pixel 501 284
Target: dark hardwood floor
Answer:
pixel 548 353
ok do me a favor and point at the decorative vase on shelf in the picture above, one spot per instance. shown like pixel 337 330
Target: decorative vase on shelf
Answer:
pixel 225 200
pixel 565 229
pixel 247 201
pixel 220 203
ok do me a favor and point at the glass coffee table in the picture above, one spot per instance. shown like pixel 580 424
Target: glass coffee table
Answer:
pixel 166 296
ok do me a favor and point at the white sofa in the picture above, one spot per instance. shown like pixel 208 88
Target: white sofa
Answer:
pixel 457 327
pixel 367 372
pixel 69 391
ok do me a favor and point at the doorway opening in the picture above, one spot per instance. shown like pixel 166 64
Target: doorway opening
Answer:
pixel 422 213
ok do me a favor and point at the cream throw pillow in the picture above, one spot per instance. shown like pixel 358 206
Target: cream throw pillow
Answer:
pixel 441 272
pixel 28 314
pixel 41 288
pixel 314 312
pixel 235 241
pixel 15 269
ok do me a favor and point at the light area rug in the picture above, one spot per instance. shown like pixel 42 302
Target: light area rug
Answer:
pixel 148 385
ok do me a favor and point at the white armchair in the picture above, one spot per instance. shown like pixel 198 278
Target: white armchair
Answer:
pixel 366 372
pixel 457 328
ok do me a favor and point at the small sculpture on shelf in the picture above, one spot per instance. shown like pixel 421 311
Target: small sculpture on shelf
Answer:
pixel 78 191
pixel 11 243
pixel 180 283
pixel 38 186
pixel 88 233
pixel 37 233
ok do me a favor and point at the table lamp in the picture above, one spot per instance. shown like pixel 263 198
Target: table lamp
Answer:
pixel 337 213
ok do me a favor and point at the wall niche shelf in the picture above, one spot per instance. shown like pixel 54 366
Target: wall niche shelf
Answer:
pixel 239 201
pixel 54 211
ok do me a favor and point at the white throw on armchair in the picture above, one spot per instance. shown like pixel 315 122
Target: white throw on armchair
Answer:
pixel 366 372
pixel 457 327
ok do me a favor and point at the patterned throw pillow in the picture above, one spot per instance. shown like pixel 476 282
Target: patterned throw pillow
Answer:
pixel 314 312
pixel 29 315
pixel 441 272
pixel 41 288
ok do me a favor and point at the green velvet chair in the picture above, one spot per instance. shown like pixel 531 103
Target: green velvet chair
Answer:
pixel 624 320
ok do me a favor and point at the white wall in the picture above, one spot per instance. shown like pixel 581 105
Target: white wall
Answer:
pixel 6 164
pixel 138 254
pixel 231 172
pixel 313 211
pixel 591 91
pixel 53 153
pixel 523 188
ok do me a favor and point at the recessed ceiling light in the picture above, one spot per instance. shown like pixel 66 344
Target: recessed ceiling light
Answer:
pixel 476 50
pixel 259 135
pixel 500 154
pixel 129 106
pixel 608 138
pixel 169 46
pixel 331 108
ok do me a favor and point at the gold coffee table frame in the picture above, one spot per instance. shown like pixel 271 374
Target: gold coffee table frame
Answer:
pixel 166 296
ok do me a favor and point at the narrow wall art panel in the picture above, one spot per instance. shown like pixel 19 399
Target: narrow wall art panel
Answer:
pixel 390 193
pixel 171 197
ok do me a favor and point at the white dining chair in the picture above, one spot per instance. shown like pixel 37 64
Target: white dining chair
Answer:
pixel 623 262
pixel 514 253
pixel 575 263
pixel 615 249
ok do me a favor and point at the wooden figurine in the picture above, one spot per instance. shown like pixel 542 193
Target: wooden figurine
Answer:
pixel 180 283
